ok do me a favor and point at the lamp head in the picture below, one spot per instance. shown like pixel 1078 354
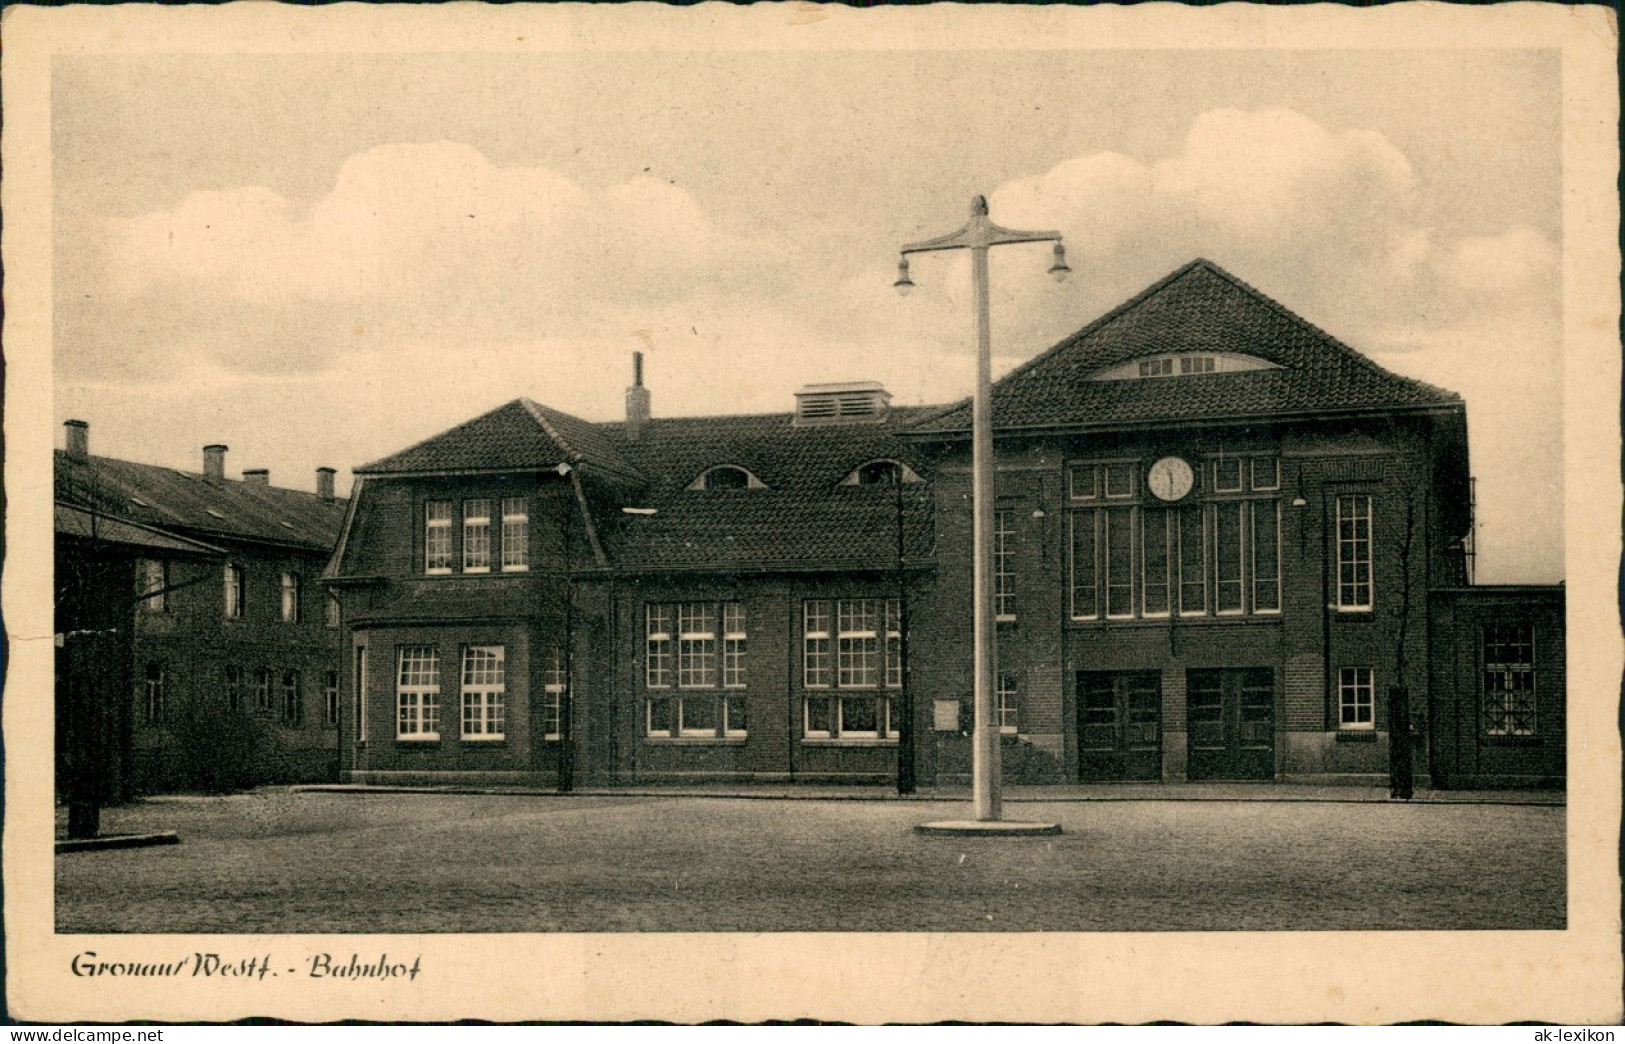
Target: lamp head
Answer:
pixel 904 284
pixel 1059 269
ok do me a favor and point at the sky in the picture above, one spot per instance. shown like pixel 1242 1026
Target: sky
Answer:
pixel 321 259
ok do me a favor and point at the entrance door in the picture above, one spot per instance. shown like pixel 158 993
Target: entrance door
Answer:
pixel 1231 719
pixel 1119 725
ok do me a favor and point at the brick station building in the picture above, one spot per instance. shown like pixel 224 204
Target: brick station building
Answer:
pixel 1223 537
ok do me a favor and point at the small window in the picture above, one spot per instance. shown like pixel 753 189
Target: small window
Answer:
pixel 1266 474
pixel 515 535
pixel 1196 364
pixel 333 610
pixel 476 536
pixel 152 582
pixel 1119 480
pixel 1509 680
pixel 1156 367
pixel 330 694
pixel 1354 553
pixel 437 536
pixel 152 694
pixel 1004 565
pixel 1009 701
pixel 1227 475
pixel 726 477
pixel 293 698
pixel 555 682
pixel 290 598
pixel 1356 700
pixel 234 688
pixel 233 591
pixel 262 692
pixel 881 473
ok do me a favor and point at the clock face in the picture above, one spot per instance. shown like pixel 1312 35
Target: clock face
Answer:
pixel 1170 478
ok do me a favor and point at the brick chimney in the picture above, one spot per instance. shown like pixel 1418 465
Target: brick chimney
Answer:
pixel 324 484
pixel 257 476
pixel 214 461
pixel 78 439
pixel 637 400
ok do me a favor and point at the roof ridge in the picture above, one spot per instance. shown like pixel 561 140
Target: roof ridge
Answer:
pixel 440 434
pixel 535 409
pixel 197 476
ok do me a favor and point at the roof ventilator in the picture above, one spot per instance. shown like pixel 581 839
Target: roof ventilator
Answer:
pixel 850 403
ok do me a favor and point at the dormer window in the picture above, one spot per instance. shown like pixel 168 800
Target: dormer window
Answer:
pixel 851 403
pixel 1182 364
pixel 727 476
pixel 881 473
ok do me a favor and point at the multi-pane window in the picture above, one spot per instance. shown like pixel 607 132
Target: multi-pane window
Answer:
pixel 555 680
pixel 1509 679
pixel 1009 695
pixel 332 619
pixel 701 646
pixel 1004 565
pixel 417 693
pixel 484 692
pixel 330 694
pixel 437 536
pixel 1356 700
pixel 234 687
pixel 477 536
pixel 152 581
pixel 293 698
pixel 262 691
pixel 152 694
pixel 1133 557
pixel 1354 552
pixel 851 644
pixel 1156 367
pixel 233 578
pixel 515 535
pixel 290 597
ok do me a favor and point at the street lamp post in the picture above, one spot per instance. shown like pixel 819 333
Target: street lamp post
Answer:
pixel 978 236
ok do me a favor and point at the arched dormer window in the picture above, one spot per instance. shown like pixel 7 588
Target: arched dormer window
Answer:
pixel 1182 364
pixel 881 473
pixel 727 476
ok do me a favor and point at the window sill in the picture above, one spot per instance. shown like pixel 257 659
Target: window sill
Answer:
pixel 1356 735
pixel 1513 741
pixel 845 741
pixel 1162 622
pixel 680 741
pixel 484 740
pixel 1355 611
pixel 417 741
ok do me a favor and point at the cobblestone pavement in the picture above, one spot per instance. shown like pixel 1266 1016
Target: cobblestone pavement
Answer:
pixel 281 861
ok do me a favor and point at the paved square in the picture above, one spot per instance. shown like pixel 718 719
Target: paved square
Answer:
pixel 402 863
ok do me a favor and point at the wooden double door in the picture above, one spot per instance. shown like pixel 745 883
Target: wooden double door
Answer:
pixel 1230 718
pixel 1119 725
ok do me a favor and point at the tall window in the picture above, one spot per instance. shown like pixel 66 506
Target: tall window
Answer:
pixel 359 681
pixel 233 591
pixel 484 692
pixel 1509 679
pixel 152 580
pixel 1009 701
pixel 330 690
pixel 417 693
pixel 290 597
pixel 555 680
pixel 515 535
pixel 1215 553
pixel 476 536
pixel 262 691
pixel 293 698
pixel 234 687
pixel 864 636
pixel 152 694
pixel 1354 552
pixel 1004 565
pixel 437 536
pixel 683 640
pixel 1356 700
pixel 332 610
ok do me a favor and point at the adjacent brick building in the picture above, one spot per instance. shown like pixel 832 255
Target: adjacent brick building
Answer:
pixel 1223 537
pixel 231 663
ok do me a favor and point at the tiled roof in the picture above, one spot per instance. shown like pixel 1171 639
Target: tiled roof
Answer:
pixel 520 435
pixel 212 509
pixel 804 518
pixel 1199 308
pixel 82 524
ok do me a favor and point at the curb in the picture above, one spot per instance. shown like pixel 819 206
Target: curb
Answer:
pixel 98 844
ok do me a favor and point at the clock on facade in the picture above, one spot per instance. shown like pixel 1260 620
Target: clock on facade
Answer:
pixel 1170 478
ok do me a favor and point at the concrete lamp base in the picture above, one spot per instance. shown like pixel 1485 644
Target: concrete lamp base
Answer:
pixel 987 828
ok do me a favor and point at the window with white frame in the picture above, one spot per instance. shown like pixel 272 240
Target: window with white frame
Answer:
pixel 293 698
pixel 262 691
pixel 698 648
pixel 152 582
pixel 234 687
pixel 330 693
pixel 485 690
pixel 332 610
pixel 233 577
pixel 1217 553
pixel 1509 679
pixel 153 685
pixel 477 536
pixel 1009 697
pixel 437 536
pixel 1356 699
pixel 1004 565
pixel 555 680
pixel 417 693
pixel 1354 553
pixel 849 645
pixel 515 535
pixel 290 598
